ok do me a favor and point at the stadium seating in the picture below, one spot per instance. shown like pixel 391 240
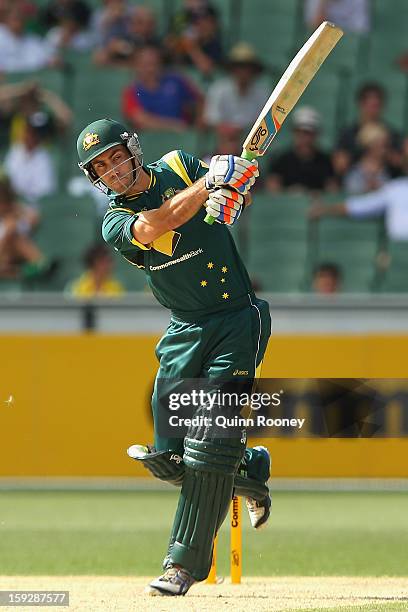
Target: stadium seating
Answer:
pixel 388 37
pixel 278 242
pixel 52 79
pixel 322 94
pixel 349 55
pixel 10 286
pixel 353 246
pixel 156 144
pixel 271 27
pixel 130 276
pixel 395 278
pixel 97 92
pixel 68 227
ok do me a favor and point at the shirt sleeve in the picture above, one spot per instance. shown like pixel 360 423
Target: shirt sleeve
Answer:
pixel 117 231
pixel 195 167
pixel 186 166
pixel 369 204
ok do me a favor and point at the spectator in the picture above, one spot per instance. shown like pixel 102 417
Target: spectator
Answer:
pixel 326 278
pixel 97 280
pixel 122 31
pixel 184 18
pixel 304 166
pixel 20 51
pixel 370 172
pixel 237 99
pixel 350 15
pixel 200 43
pixel 19 256
pixel 142 28
pixel 110 22
pixel 29 164
pixel 390 201
pixel 371 100
pixel 18 101
pixel 71 28
pixel 157 99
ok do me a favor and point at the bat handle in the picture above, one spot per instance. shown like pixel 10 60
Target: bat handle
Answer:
pixel 209 219
pixel 246 155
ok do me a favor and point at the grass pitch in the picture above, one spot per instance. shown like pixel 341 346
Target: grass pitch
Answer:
pixel 326 551
pixel 126 533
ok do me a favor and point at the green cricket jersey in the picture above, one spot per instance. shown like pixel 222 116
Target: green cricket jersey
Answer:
pixel 193 271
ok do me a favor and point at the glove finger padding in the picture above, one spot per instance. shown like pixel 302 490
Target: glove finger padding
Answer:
pixel 225 205
pixel 245 180
pixel 231 170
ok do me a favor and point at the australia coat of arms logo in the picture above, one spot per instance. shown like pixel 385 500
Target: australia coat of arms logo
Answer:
pixel 169 193
pixel 90 140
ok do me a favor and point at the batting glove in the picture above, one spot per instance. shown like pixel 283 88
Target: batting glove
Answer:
pixel 236 172
pixel 225 205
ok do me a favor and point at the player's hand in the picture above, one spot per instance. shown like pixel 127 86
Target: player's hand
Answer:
pixel 233 171
pixel 225 205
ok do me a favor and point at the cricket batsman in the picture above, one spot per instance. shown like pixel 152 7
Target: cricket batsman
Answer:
pixel 218 328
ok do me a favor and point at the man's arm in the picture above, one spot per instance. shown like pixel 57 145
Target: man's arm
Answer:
pixel 144 120
pixel 367 205
pixel 318 210
pixel 176 211
pixel 233 175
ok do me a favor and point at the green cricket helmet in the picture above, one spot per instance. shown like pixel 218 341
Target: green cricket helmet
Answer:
pixel 98 137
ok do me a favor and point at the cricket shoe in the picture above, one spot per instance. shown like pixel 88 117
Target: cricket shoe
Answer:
pixel 175 581
pixel 259 511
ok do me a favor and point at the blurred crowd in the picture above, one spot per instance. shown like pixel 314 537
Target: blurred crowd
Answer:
pixel 183 74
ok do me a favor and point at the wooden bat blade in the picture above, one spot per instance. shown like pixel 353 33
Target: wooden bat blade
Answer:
pixel 290 87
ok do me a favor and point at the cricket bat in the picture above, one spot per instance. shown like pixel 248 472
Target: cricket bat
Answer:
pixel 287 92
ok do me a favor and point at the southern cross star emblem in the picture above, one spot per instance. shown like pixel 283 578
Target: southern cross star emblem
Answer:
pixel 203 283
pixel 224 269
pixel 210 265
pixel 90 140
pixel 225 296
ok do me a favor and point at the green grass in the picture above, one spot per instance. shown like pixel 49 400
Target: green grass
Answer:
pixel 122 533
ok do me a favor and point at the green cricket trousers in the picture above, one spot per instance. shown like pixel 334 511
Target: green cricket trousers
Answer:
pixel 225 345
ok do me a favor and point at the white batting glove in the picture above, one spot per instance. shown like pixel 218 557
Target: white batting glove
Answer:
pixel 225 205
pixel 233 171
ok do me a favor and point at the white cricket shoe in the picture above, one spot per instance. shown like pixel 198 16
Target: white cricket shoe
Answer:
pixel 175 581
